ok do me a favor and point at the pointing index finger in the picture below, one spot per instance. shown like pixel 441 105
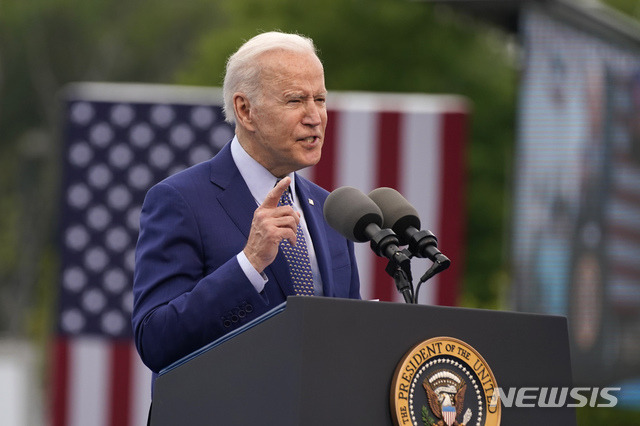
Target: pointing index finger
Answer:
pixel 271 201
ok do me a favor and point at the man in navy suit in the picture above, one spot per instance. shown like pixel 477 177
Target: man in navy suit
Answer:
pixel 210 253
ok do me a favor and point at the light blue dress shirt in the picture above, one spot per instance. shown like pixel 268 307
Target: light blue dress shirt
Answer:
pixel 260 181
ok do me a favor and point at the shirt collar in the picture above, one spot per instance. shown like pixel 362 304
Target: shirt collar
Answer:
pixel 259 180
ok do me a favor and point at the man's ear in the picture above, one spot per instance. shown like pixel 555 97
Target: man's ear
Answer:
pixel 242 109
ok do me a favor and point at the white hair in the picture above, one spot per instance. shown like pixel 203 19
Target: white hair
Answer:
pixel 243 67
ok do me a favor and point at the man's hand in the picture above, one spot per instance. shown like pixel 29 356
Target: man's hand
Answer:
pixel 271 224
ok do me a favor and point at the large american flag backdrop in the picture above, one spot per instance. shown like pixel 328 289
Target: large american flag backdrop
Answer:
pixel 121 139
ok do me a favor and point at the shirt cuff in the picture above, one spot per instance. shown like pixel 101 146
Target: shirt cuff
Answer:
pixel 258 280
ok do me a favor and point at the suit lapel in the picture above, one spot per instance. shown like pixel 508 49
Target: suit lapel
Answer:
pixel 235 198
pixel 239 204
pixel 315 223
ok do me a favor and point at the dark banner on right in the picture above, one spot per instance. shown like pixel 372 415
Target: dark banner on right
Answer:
pixel 576 246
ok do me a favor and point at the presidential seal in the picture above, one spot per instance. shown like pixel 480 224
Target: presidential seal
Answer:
pixel 444 382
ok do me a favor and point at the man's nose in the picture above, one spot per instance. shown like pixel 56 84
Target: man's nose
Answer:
pixel 313 116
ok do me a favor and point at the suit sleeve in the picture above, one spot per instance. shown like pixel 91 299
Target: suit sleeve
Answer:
pixel 179 306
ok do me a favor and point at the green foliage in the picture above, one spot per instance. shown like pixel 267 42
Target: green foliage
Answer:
pixel 628 7
pixel 8 222
pixel 590 416
pixel 427 420
pixel 45 44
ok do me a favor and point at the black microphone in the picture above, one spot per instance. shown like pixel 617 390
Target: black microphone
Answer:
pixel 358 218
pixel 403 219
pixel 354 215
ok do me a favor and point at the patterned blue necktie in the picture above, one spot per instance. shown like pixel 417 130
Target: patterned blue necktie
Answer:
pixel 297 257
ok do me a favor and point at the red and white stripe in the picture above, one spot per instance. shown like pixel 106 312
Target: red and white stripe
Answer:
pixel 98 382
pixel 415 144
pixel 623 226
pixel 449 416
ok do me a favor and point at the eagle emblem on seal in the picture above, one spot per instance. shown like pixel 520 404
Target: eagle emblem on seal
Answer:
pixel 445 394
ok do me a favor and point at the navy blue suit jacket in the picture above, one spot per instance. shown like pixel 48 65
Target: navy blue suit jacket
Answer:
pixel 188 286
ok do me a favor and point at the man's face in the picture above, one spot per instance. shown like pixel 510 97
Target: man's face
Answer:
pixel 289 118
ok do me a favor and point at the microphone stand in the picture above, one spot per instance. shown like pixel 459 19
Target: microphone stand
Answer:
pixel 399 268
pixel 424 244
pixel 385 243
pixel 437 267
